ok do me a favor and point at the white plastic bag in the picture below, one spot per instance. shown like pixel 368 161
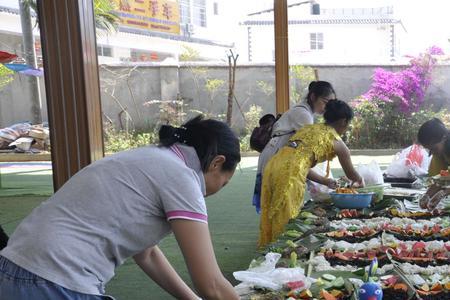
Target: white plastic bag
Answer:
pixel 371 173
pixel 267 276
pixel 316 190
pixel 412 161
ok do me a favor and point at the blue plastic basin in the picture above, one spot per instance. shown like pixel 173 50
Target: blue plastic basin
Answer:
pixel 361 200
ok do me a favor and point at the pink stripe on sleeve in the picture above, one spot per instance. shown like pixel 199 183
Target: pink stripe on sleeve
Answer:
pixel 182 214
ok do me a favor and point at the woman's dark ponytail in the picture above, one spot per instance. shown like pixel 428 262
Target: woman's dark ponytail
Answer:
pixel 208 137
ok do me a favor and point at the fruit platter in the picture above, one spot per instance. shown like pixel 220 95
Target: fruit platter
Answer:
pixel 419 233
pixel 395 212
pixel 352 214
pixel 354 233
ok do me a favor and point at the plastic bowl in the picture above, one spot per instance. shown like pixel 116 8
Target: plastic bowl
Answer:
pixel 377 189
pixel 361 200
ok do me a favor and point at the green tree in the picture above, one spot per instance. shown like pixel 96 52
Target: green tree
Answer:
pixel 301 76
pixel 189 54
pixel 6 76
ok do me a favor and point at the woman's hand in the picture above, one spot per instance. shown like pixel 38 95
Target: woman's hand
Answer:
pixel 431 192
pixel 434 201
pixel 343 154
pixel 330 183
pixel 359 183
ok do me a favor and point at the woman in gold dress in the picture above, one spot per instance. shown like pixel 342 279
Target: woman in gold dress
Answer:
pixel 285 175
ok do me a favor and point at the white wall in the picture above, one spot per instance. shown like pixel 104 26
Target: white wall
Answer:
pixel 342 43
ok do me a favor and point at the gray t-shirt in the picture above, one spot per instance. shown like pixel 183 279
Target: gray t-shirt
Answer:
pixel 109 211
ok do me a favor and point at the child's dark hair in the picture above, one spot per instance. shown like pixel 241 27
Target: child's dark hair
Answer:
pixel 431 132
pixel 208 137
pixel 337 110
pixel 319 89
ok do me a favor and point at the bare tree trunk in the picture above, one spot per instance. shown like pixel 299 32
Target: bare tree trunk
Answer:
pixel 231 81
pixel 30 59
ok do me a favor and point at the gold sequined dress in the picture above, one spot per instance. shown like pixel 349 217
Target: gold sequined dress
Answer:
pixel 284 179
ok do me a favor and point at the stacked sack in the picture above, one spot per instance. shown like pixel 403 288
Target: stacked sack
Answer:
pixel 24 137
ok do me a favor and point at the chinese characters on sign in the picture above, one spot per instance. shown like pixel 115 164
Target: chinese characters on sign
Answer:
pixel 153 15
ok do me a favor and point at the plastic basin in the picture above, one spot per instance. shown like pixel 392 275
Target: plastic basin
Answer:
pixel 377 189
pixel 361 200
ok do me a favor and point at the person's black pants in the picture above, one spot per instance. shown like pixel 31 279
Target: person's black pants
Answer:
pixel 3 238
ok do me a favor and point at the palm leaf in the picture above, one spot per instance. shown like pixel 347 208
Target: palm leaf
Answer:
pixel 104 13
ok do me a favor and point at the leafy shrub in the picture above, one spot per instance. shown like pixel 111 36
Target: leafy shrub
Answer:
pixel 120 140
pixel 378 124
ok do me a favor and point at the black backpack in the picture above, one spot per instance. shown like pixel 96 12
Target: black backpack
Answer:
pixel 262 134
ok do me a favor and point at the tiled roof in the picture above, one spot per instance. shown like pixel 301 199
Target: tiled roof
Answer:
pixel 12 10
pixel 342 21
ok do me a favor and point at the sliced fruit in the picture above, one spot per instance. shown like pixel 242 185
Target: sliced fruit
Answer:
pixel 327 296
pixel 425 287
pixel 401 286
pixel 305 294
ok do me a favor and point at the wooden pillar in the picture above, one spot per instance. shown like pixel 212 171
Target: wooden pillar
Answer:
pixel 281 55
pixel 72 85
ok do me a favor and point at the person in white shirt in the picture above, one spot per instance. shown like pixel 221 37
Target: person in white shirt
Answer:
pixel 319 93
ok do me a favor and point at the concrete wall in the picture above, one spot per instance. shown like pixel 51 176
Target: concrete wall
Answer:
pixel 127 88
pixel 15 99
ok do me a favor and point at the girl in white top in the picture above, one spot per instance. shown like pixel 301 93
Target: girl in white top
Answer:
pixel 319 93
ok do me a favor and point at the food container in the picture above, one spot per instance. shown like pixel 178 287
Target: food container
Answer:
pixel 378 191
pixel 361 200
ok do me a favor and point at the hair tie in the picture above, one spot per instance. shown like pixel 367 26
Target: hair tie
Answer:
pixel 180 134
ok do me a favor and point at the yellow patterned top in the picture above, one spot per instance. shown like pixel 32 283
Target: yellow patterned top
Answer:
pixel 437 164
pixel 284 178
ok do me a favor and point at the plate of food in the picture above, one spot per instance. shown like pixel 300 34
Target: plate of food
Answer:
pixel 360 258
pixel 353 234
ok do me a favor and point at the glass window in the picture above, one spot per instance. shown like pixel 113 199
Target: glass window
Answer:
pixel 316 41
pixel 25 161
pixel 200 13
pixel 104 51
pixel 185 12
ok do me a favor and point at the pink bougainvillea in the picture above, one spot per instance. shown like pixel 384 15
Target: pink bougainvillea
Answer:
pixel 405 88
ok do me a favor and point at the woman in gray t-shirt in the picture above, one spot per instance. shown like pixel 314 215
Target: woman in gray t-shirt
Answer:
pixel 120 207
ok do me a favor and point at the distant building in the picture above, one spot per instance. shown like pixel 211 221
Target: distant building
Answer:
pixel 328 35
pixel 151 30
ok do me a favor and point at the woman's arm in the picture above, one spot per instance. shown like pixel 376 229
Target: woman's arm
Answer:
pixel 153 262
pixel 195 243
pixel 343 154
pixel 314 176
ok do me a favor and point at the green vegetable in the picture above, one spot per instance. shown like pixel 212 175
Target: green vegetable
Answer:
pixel 307 215
pixel 329 277
pixel 352 228
pixel 293 259
pixel 293 233
pixel 257 262
pixel 291 244
pixel 339 282
pixel 308 222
